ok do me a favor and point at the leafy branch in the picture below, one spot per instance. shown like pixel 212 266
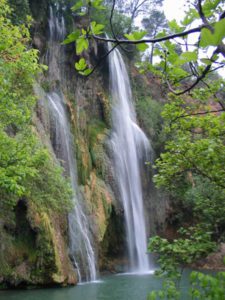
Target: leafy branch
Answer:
pixel 211 33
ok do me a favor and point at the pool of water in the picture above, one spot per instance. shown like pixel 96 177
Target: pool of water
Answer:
pixel 113 287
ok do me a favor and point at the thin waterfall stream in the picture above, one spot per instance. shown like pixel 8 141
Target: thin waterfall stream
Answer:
pixel 81 244
pixel 130 146
pixel 81 249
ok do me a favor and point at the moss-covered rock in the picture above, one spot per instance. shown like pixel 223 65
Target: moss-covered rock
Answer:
pixel 84 163
pixel 33 249
pixel 99 201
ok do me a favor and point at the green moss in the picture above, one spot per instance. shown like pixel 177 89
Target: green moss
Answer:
pixel 149 116
pixel 107 206
pixel 84 163
pixel 97 133
pixel 47 255
pixel 46 85
pixel 95 128
pixel 31 251
pixel 85 154
pixel 106 107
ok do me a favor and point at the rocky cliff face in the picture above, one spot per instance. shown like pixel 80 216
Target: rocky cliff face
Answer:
pixel 35 247
pixel 88 106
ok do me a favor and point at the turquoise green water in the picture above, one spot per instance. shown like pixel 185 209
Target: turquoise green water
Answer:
pixel 116 287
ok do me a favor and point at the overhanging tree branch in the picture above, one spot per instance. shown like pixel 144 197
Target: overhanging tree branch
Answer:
pixel 102 59
pixel 197 114
pixel 153 41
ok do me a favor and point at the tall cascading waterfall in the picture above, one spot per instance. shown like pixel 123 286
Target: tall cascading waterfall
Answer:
pixel 81 244
pixel 130 147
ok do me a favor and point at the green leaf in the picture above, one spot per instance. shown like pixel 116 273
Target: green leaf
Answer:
pixel 213 39
pixel 209 7
pixel 97 4
pixel 81 67
pixel 206 61
pixel 142 46
pixel 152 296
pixel 81 45
pixel 190 17
pixel 189 56
pixel 186 57
pixel 81 14
pixel 175 27
pixel 136 35
pixel 77 6
pixel 81 64
pixel 130 36
pixel 97 28
pixel 161 34
pixel 85 72
pixel 72 37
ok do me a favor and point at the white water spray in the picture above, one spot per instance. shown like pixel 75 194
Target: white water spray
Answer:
pixel 130 146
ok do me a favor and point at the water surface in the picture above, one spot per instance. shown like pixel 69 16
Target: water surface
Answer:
pixel 115 287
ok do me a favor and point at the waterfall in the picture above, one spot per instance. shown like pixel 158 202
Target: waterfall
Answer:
pixel 81 249
pixel 130 147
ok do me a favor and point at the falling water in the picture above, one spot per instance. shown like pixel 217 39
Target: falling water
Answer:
pixel 55 52
pixel 130 146
pixel 80 242
pixel 81 249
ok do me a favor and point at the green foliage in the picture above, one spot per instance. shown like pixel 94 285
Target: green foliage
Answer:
pixel 81 66
pixel 175 27
pixel 194 244
pixel 47 187
pixel 99 21
pixel 72 37
pixel 194 156
pixel 94 129
pixel 17 68
pixel 135 36
pixel 192 167
pixel 176 68
pixel 149 114
pixel 215 37
pixel 169 292
pixel 205 286
pixel 207 202
pixel 26 169
pixel 20 10
pixel 97 28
